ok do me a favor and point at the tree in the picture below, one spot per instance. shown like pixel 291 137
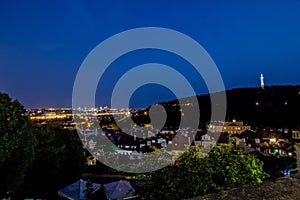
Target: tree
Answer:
pixel 17 143
pixel 59 161
pixel 193 174
pixel 233 168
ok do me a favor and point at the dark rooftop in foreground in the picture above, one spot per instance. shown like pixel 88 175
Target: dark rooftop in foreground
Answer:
pixel 279 189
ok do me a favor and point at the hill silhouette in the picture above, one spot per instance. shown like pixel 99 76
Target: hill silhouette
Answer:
pixel 274 106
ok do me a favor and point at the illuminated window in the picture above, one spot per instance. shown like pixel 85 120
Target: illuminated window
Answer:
pixel 273 140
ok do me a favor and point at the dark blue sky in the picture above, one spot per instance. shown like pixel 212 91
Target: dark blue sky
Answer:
pixel 43 43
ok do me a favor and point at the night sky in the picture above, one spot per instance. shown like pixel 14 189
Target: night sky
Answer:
pixel 43 43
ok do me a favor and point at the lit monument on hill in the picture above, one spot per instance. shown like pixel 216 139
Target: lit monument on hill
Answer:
pixel 262 84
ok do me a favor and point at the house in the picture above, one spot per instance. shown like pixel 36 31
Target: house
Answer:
pixel 76 191
pixel 296 134
pixel 119 190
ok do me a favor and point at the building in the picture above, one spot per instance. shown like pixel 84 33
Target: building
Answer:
pixel 296 134
pixel 233 127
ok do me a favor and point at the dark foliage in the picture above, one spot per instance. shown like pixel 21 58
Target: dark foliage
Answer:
pixel 17 144
pixel 59 161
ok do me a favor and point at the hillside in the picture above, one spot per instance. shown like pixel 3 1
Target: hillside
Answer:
pixel 275 106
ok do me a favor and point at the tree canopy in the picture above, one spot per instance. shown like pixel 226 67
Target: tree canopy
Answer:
pixel 225 167
pixel 17 144
pixel 59 161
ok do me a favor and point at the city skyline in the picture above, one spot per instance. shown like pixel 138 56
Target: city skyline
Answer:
pixel 43 46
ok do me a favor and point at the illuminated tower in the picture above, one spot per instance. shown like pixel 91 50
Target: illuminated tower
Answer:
pixel 262 84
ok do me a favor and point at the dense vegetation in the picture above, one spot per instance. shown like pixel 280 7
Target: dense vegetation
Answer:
pixel 17 144
pixel 59 161
pixel 35 161
pixel 275 106
pixel 193 174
